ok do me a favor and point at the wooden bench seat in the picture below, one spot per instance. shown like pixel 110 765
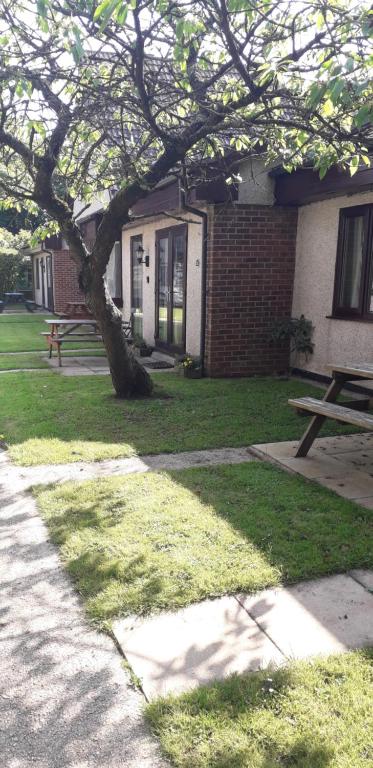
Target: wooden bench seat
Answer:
pixel 71 338
pixel 333 411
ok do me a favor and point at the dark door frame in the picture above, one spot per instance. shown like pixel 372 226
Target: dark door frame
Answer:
pixel 160 234
pixel 42 269
pixel 50 296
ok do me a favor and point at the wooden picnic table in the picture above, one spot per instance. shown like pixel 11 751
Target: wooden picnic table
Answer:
pixel 329 409
pixel 77 309
pixel 62 330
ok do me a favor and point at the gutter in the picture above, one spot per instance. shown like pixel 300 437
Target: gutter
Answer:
pixel 204 216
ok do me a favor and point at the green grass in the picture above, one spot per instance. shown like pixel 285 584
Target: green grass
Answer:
pixel 46 418
pixel 315 714
pixel 21 333
pixel 19 361
pixel 163 540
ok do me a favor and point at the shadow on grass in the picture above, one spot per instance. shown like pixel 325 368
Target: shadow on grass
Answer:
pixel 307 715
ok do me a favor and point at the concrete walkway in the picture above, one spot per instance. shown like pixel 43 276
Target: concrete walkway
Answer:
pixel 98 366
pixel 21 478
pixel 65 699
pixel 174 652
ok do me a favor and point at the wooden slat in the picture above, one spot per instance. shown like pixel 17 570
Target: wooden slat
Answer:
pixel 360 370
pixel 333 411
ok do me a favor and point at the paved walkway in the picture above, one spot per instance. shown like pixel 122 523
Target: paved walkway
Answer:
pixel 65 699
pixel 174 652
pixel 21 478
pixel 98 366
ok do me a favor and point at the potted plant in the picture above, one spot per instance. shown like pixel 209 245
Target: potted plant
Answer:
pixel 192 367
pixel 141 347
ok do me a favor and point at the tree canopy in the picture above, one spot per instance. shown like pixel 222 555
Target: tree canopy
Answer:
pixel 117 94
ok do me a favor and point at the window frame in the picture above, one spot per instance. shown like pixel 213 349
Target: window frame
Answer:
pixel 361 312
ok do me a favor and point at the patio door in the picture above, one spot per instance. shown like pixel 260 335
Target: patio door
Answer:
pixel 171 288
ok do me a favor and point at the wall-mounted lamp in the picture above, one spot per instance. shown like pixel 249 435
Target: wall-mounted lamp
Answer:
pixel 142 255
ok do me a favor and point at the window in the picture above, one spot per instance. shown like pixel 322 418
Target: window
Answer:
pixel 353 291
pixel 37 274
pixel 136 286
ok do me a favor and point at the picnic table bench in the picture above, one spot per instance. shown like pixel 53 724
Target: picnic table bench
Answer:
pixel 69 330
pixel 329 409
pixel 66 330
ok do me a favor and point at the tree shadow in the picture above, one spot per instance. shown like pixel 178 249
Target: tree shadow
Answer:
pixel 65 699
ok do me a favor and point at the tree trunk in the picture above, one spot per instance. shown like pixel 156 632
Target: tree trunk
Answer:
pixel 130 379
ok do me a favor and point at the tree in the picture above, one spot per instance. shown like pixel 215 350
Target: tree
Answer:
pixel 12 258
pixel 119 94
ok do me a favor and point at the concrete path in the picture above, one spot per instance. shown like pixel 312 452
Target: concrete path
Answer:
pixel 174 652
pixel 98 366
pixel 21 478
pixel 65 699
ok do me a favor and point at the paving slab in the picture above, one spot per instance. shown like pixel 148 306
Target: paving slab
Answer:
pixel 364 577
pixel 175 652
pixel 340 463
pixel 322 616
pixel 353 485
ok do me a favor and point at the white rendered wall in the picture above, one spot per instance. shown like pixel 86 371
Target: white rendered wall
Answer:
pixel 336 341
pixel 148 228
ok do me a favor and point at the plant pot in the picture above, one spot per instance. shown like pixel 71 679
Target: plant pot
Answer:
pixel 193 373
pixel 144 351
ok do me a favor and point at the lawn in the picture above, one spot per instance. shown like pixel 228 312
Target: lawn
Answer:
pixel 22 360
pixel 21 333
pixel 153 541
pixel 46 418
pixel 315 714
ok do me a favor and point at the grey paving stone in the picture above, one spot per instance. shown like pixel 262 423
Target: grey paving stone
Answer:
pixel 175 652
pixel 364 577
pixel 323 616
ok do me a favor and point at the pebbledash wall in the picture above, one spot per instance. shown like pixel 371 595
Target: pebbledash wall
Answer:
pixel 65 280
pixel 251 259
pixel 335 340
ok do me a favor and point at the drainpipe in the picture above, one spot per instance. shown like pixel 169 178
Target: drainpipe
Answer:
pixel 204 216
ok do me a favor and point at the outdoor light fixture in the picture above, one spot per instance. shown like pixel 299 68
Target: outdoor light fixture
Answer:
pixel 142 256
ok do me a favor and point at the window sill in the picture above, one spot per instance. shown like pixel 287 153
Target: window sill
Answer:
pixel 350 318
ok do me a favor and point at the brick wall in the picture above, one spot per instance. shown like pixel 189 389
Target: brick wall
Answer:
pixel 251 258
pixel 65 281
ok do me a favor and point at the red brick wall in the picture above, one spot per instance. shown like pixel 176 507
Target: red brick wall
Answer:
pixel 65 281
pixel 251 257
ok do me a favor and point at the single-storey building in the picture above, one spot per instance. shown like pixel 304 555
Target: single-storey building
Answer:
pixel 55 275
pixel 212 274
pixel 213 278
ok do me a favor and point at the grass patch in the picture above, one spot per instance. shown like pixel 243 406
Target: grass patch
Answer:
pixel 31 360
pixel 163 540
pixel 315 714
pixel 21 333
pixel 47 418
